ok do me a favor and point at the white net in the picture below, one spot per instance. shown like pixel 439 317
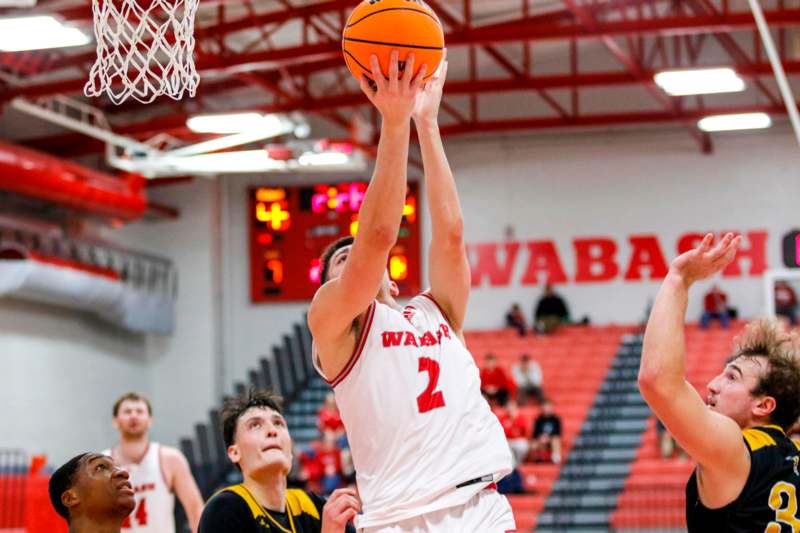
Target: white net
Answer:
pixel 144 49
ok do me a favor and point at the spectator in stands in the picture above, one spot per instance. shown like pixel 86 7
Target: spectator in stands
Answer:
pixel 496 385
pixel 546 443
pixel 92 494
pixel 258 443
pixel 515 426
pixel 527 376
pixel 515 319
pixel 551 311
pixel 330 421
pixel 786 302
pixel 715 307
pixel 330 456
pixel 667 443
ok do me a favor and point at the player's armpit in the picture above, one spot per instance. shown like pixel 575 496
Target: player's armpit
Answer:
pixel 185 487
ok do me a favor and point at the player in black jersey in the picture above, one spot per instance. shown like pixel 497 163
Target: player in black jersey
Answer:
pixel 747 477
pixel 259 444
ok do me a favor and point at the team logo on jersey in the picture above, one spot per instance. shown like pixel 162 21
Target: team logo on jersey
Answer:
pixel 408 314
pixel 408 338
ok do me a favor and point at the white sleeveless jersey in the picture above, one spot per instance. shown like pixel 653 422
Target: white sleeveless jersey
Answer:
pixel 416 422
pixel 155 503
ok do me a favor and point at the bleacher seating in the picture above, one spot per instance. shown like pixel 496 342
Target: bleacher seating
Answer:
pixel 653 496
pixel 574 363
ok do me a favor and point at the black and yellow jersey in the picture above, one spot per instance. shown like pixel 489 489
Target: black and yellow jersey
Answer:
pixel 768 502
pixel 235 510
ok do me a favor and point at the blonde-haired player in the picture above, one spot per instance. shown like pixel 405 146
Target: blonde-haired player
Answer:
pixel 426 447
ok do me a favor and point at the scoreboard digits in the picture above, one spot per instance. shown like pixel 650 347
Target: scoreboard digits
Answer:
pixel 291 226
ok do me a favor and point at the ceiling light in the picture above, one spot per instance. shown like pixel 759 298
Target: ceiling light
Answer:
pixel 37 33
pixel 323 158
pixel 743 121
pixel 234 123
pixel 699 81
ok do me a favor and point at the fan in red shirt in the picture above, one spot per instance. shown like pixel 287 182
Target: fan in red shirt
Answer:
pixel 786 302
pixel 516 427
pixel 715 306
pixel 330 421
pixel 496 385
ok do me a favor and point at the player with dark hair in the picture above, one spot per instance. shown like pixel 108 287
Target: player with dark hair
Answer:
pixel 92 494
pixel 426 447
pixel 259 444
pixel 748 470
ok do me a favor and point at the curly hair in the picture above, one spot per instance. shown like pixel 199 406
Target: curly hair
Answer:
pixel 236 406
pixel 767 339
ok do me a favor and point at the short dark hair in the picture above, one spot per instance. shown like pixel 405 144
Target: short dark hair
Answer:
pixel 134 397
pixel 324 262
pixel 767 339
pixel 61 481
pixel 236 406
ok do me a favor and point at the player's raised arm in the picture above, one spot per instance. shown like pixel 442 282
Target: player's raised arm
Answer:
pixel 340 301
pixel 447 259
pixel 712 439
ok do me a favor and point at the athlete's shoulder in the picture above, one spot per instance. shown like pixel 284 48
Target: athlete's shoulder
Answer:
pixel 225 512
pixel 305 502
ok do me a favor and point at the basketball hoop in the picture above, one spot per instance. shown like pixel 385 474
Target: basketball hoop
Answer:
pixel 144 50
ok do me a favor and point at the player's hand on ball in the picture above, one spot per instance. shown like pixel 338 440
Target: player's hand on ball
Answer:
pixel 394 97
pixel 341 508
pixel 705 260
pixel 429 99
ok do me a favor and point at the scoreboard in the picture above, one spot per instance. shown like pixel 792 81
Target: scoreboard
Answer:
pixel 291 226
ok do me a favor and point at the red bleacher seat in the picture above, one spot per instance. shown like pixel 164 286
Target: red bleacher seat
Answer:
pixel 574 363
pixel 654 496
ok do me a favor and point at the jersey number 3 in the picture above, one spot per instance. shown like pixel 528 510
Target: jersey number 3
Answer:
pixel 785 512
pixel 430 398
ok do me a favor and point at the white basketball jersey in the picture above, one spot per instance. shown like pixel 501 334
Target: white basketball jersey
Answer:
pixel 155 503
pixel 416 422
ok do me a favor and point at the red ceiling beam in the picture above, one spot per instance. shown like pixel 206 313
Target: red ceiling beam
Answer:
pixel 611 119
pixel 459 87
pixel 633 66
pixel 521 29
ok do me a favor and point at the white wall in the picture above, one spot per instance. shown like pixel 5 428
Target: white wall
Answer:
pixel 61 374
pixel 612 185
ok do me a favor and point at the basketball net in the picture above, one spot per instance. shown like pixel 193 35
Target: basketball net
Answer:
pixel 144 49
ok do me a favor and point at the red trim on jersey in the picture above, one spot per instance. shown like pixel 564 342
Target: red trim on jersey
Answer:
pixel 161 468
pixel 358 349
pixel 446 318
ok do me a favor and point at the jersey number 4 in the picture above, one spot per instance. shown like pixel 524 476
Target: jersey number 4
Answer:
pixel 140 515
pixel 785 509
pixel 430 398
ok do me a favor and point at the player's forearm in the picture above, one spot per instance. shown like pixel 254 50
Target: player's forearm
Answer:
pixel 663 354
pixel 379 218
pixel 445 209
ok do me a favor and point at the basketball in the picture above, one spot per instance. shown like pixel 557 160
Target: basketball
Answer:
pixel 380 26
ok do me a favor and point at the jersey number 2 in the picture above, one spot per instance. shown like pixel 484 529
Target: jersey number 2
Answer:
pixel 430 398
pixel 784 514
pixel 140 515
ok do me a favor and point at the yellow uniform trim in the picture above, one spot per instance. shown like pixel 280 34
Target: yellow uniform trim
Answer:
pixel 757 439
pixel 244 494
pixel 301 503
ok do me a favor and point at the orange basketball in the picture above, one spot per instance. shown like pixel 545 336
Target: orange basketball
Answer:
pixel 380 26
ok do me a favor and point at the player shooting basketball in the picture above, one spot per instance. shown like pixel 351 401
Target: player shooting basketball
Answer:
pixel 92 494
pixel 747 475
pixel 425 445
